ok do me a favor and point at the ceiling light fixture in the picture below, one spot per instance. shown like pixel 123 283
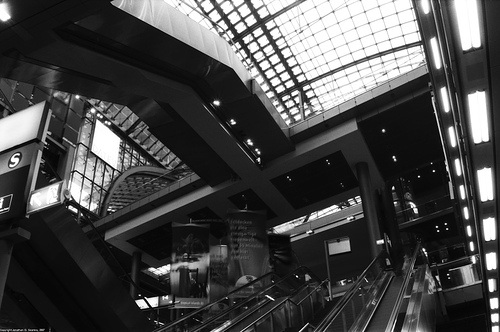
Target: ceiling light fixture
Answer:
pixel 462 191
pixel 249 142
pixel 471 246
pixel 466 213
pixel 468 23
pixel 489 229
pixel 491 261
pixel 458 167
pixel 453 137
pixel 232 122
pixel 492 285
pixel 494 318
pixel 469 230
pixel 426 8
pixel 435 53
pixel 4 12
pixel 216 102
pixel 478 115
pixel 494 303
pixel 485 179
pixel 445 101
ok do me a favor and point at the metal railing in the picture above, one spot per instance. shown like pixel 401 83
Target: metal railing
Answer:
pixel 345 313
pixel 289 313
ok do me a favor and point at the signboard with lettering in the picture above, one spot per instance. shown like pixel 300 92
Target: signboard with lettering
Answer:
pixel 22 135
pixel 16 168
pixel 46 197
pixel 5 203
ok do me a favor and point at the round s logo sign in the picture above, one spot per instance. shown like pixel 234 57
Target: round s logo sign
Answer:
pixel 15 159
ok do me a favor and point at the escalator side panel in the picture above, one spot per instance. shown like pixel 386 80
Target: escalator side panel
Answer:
pixel 77 266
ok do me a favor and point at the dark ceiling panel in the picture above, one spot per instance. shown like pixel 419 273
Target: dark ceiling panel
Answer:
pixel 408 131
pixel 156 242
pixel 203 214
pixel 248 199
pixel 320 179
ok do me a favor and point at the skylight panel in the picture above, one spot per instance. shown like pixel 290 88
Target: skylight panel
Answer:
pixel 355 8
pixel 342 14
pixel 394 31
pixel 358 55
pixel 355 45
pixel 226 7
pixel 402 5
pixel 243 10
pixel 367 40
pixel 346 25
pixel 384 46
pixel 388 8
pixel 397 42
pixel 364 30
pixel 391 21
pixel 374 14
pixel 377 25
pixel 250 20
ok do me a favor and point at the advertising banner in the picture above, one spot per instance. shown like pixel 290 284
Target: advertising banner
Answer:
pixel 248 246
pixel 190 261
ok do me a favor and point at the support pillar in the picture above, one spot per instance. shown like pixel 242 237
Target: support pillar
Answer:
pixel 134 273
pixel 369 206
pixel 7 240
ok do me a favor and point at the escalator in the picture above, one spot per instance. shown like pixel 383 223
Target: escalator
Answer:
pixel 60 275
pixel 380 300
pixel 282 303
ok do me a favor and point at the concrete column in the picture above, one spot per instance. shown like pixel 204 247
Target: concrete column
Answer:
pixel 7 240
pixel 134 273
pixel 369 206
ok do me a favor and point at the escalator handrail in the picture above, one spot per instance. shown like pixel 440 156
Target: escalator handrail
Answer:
pixel 197 311
pixel 250 298
pixel 399 300
pixel 348 295
pixel 276 307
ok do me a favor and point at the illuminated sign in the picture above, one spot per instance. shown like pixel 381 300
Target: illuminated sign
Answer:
pixel 47 197
pixel 24 126
pixel 5 203
pixel 339 246
pixel 15 159
pixel 106 144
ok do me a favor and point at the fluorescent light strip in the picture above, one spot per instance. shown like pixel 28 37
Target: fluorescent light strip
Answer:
pixel 435 53
pixel 469 230
pixel 426 8
pixel 445 101
pixel 485 179
pixel 466 213
pixel 494 318
pixel 462 191
pixel 494 303
pixel 478 115
pixel 468 23
pixel 492 285
pixel 495 328
pixel 4 12
pixel 458 167
pixel 453 137
pixel 489 229
pixel 471 246
pixel 491 261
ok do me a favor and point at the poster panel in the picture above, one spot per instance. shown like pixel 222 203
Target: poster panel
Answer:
pixel 190 261
pixel 248 246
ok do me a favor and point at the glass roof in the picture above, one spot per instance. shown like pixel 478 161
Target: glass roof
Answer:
pixel 310 56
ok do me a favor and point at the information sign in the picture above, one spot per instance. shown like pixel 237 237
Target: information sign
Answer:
pixel 46 197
